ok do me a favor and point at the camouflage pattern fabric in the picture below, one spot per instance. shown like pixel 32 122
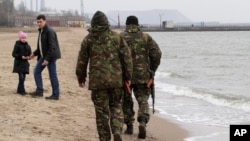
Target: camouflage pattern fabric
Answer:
pixel 128 108
pixel 142 93
pixel 146 56
pixel 105 101
pixel 145 52
pixel 99 19
pixel 109 60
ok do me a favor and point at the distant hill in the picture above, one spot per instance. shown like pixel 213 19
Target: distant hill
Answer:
pixel 149 17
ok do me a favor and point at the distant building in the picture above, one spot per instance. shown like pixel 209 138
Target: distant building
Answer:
pixel 31 5
pixel 168 24
pixel 52 20
pixel 36 5
pixel 42 6
pixel 50 13
pixel 53 17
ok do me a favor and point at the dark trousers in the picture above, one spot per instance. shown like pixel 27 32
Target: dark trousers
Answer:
pixel 20 87
pixel 141 93
pixel 108 109
pixel 52 75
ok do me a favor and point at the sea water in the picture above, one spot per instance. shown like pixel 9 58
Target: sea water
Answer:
pixel 204 77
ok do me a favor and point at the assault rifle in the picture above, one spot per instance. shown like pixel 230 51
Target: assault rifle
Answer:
pixel 151 85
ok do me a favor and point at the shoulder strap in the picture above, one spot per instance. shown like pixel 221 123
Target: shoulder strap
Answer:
pixel 145 36
pixel 118 38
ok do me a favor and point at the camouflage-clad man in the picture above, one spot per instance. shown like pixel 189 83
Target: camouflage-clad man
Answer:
pixel 110 63
pixel 146 58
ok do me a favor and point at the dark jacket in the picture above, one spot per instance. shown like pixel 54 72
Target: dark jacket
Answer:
pixel 21 49
pixel 50 46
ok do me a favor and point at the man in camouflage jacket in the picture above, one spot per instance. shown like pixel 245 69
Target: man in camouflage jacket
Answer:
pixel 110 64
pixel 146 58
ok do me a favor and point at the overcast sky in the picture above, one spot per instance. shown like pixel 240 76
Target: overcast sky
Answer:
pixel 225 11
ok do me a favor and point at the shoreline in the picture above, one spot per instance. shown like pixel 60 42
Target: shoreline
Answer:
pixel 199 132
pixel 73 116
pixel 166 130
pixel 161 128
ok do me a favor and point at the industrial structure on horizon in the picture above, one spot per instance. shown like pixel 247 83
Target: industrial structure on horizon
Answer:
pixel 43 6
pixel 54 18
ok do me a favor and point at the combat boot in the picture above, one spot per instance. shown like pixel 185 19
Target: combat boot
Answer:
pixel 142 130
pixel 117 137
pixel 129 129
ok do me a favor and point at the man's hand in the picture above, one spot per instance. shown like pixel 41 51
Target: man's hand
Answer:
pixel 81 85
pixel 128 82
pixel 32 56
pixel 25 57
pixel 45 63
pixel 127 85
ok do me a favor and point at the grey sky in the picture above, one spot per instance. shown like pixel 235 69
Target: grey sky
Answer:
pixel 233 11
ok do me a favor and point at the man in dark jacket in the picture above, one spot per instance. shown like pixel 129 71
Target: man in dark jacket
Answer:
pixel 110 63
pixel 48 52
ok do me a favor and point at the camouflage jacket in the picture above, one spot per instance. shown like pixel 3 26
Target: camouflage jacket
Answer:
pixel 109 60
pixel 146 54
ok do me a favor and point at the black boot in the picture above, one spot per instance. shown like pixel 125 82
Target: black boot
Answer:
pixel 129 129
pixel 142 130
pixel 117 137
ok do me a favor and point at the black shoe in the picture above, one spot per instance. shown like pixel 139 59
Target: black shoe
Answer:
pixel 22 93
pixel 117 137
pixel 142 130
pixel 36 94
pixel 52 97
pixel 129 129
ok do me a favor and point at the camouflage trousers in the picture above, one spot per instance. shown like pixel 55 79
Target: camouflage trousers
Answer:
pixel 108 109
pixel 141 93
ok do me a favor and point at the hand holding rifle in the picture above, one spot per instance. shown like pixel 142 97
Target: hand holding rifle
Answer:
pixel 127 86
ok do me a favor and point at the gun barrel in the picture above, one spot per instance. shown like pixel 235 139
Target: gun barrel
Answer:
pixel 153 96
pixel 152 88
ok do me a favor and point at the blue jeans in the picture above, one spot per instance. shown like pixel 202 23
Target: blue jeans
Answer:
pixel 52 75
pixel 20 87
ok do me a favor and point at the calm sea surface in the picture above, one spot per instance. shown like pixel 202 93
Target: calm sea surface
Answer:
pixel 204 77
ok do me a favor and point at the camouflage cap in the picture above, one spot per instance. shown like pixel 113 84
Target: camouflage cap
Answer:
pixel 99 19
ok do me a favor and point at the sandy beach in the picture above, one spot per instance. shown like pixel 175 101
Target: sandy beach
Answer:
pixel 72 118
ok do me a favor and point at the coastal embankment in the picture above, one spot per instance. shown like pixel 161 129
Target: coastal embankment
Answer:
pixel 196 28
